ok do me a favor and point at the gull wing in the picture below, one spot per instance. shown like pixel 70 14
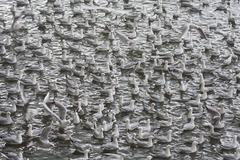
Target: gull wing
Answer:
pixel 203 35
pixel 122 37
pixel 51 112
pixel 45 132
pixel 185 30
pixel 46 99
pixel 200 31
pixel 62 110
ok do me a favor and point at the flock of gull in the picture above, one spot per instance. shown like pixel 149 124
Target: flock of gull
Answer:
pixel 119 80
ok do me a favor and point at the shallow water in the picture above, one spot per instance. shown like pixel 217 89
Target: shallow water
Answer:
pixel 176 108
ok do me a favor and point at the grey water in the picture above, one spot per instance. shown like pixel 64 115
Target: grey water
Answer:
pixel 208 49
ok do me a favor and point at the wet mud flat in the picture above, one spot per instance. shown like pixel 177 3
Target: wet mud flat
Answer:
pixel 119 79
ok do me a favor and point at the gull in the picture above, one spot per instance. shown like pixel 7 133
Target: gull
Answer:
pixel 189 126
pixel 231 20
pixel 16 15
pixel 3 20
pixel 12 155
pixel 166 138
pixel 187 27
pixel 230 146
pixel 26 102
pixel 128 107
pixel 32 133
pixel 130 139
pixel 63 123
pixel 166 154
pixel 115 132
pixel 145 144
pixel 62 110
pixel 66 136
pixel 183 86
pixel 86 155
pixel 14 139
pixel 39 91
pixel 218 124
pixel 232 156
pixel 122 37
pixel 200 140
pixel 143 134
pixel 107 126
pixel 111 146
pixel 195 102
pixel 165 123
pixel 6 120
pixel 113 156
pixel 98 133
pixel 79 147
pixel 213 134
pixel 44 136
pixel 131 126
pixel 192 149
pixel 147 128
pixel 99 114
pixel 90 125
pixel 76 118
